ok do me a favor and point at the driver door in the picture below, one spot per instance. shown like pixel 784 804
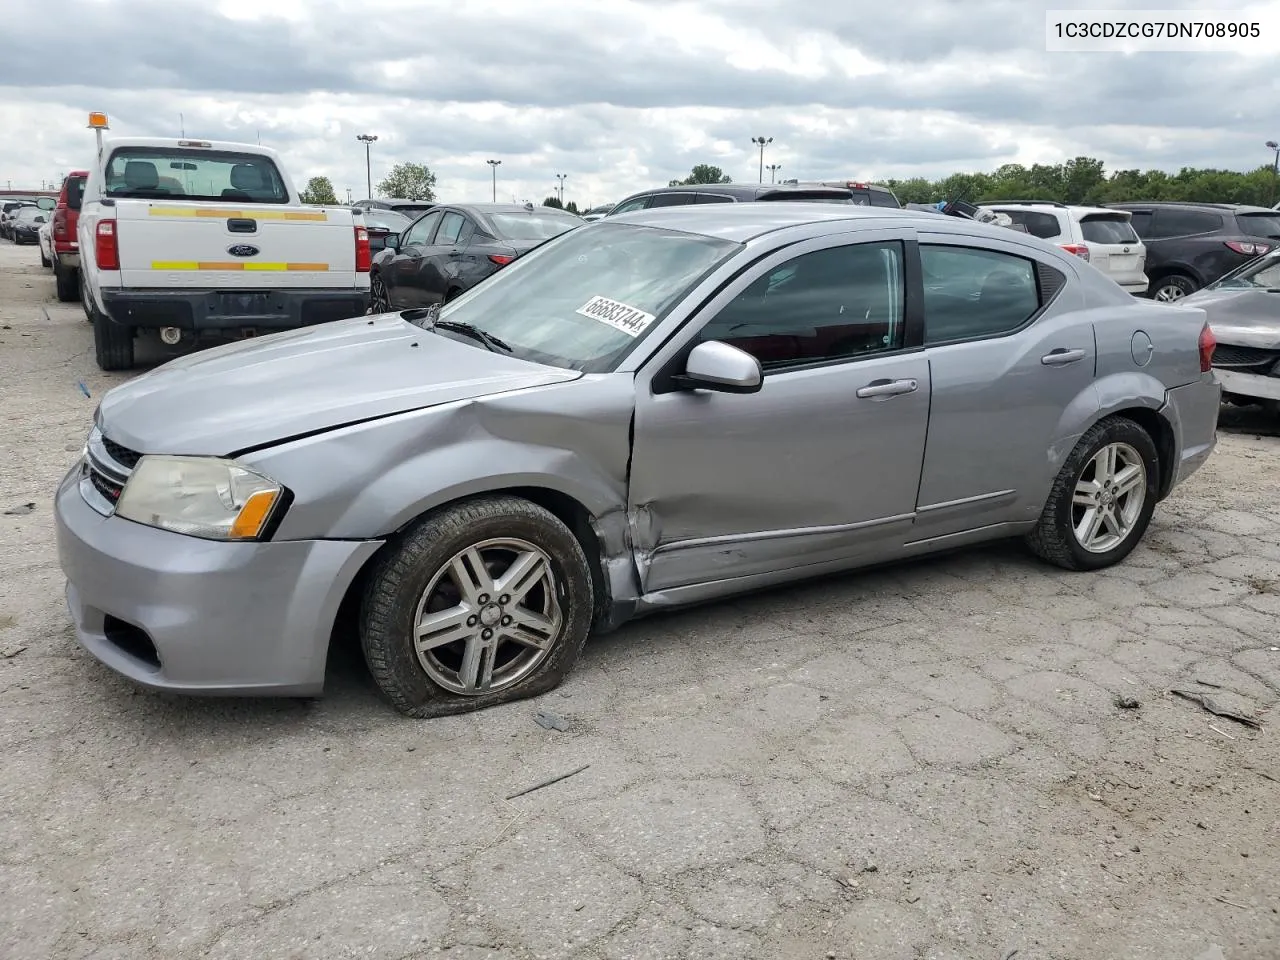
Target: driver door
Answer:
pixel 402 275
pixel 822 463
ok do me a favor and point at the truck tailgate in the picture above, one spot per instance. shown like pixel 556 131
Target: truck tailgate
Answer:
pixel 174 244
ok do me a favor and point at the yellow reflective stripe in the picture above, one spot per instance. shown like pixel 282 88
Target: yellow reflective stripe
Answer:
pixel 318 215
pixel 235 265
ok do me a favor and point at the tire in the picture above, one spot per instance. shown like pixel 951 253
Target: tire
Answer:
pixel 452 294
pixel 112 344
pixel 1172 288
pixel 84 301
pixel 415 575
pixel 1055 537
pixel 379 302
pixel 44 261
pixel 67 282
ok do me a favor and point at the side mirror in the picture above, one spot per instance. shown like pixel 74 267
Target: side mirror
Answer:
pixel 720 367
pixel 391 241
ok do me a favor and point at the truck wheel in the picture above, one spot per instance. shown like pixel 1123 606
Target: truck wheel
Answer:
pixel 44 261
pixel 67 283
pixel 113 344
pixel 1101 503
pixel 486 602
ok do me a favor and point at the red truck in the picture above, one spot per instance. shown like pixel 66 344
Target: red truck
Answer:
pixel 66 250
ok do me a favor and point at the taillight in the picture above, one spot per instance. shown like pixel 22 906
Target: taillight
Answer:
pixel 1248 249
pixel 1208 343
pixel 105 249
pixel 500 259
pixel 364 256
pixel 1079 249
pixel 60 224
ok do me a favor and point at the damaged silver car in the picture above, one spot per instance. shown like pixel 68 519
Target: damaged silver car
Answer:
pixel 656 409
pixel 1244 313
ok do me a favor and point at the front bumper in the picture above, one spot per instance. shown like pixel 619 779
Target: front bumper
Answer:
pixel 25 236
pixel 185 615
pixel 218 310
pixel 1255 385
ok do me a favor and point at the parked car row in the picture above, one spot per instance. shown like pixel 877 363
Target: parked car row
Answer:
pixel 56 235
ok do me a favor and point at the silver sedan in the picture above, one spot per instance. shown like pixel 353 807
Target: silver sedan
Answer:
pixel 656 409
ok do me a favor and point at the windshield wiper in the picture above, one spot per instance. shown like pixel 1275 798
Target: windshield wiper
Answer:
pixel 491 343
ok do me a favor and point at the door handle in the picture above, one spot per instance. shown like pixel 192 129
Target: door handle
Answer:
pixel 1061 357
pixel 887 388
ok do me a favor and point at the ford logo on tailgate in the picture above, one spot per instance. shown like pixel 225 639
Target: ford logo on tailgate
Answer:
pixel 243 250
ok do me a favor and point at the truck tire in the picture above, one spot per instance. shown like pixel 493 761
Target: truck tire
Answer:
pixel 112 344
pixel 67 282
pixel 44 261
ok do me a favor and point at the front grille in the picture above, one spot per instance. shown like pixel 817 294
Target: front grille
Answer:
pixel 1229 355
pixel 104 486
pixel 122 455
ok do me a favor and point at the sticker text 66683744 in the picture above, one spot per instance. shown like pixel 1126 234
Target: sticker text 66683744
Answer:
pixel 629 320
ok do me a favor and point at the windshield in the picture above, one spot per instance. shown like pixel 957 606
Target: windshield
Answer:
pixel 386 220
pixel 194 174
pixel 1260 274
pixel 584 299
pixel 30 214
pixel 1260 224
pixel 532 226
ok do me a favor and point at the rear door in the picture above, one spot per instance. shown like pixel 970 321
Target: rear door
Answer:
pixel 1115 248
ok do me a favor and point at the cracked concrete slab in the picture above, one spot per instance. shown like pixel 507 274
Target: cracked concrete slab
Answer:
pixel 925 761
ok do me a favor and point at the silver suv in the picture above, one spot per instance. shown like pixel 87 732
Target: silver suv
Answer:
pixel 1103 236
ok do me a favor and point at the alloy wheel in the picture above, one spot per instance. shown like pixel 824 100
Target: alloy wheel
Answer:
pixel 1169 293
pixel 378 296
pixel 488 617
pixel 1108 498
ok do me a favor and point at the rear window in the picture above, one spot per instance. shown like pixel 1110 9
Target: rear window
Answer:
pixel 75 192
pixel 385 220
pixel 531 226
pixel 1260 224
pixel 883 198
pixel 813 196
pixel 1101 228
pixel 193 174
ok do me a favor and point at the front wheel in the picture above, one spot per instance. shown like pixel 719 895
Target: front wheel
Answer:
pixel 486 602
pixel 1102 501
pixel 379 301
pixel 44 261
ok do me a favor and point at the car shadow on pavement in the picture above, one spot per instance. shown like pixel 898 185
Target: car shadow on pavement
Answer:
pixel 1251 421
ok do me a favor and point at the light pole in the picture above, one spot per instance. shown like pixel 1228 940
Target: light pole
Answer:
pixel 493 165
pixel 763 142
pixel 773 172
pixel 367 139
pixel 560 187
pixel 1275 167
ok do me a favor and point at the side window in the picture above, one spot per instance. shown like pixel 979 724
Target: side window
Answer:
pixel 450 227
pixel 639 203
pixel 713 198
pixel 1172 222
pixel 420 233
pixel 970 292
pixel 671 199
pixel 831 304
pixel 1037 223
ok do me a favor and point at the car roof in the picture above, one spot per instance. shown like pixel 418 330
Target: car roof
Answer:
pixel 1223 207
pixel 488 208
pixel 740 222
pixel 749 190
pixel 1082 208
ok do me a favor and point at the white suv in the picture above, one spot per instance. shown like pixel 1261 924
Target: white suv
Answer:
pixel 1101 235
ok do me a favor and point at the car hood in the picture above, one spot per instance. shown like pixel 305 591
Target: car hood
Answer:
pixel 262 391
pixel 1244 318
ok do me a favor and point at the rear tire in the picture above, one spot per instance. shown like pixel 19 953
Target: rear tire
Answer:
pixel 526 576
pixel 1057 537
pixel 1172 288
pixel 44 261
pixel 112 343
pixel 67 282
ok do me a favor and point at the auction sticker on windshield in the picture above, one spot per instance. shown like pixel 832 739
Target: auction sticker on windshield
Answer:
pixel 629 320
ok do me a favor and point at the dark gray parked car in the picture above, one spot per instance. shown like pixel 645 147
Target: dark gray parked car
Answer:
pixel 647 411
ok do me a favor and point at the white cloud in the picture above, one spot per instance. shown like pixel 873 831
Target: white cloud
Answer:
pixel 617 94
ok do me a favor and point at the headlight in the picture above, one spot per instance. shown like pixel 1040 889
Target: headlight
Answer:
pixel 199 496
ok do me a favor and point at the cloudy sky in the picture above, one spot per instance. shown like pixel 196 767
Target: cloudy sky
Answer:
pixel 621 94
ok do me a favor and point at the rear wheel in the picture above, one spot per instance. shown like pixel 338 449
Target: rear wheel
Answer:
pixel 1103 498
pixel 487 602
pixel 1172 288
pixel 112 343
pixel 67 282
pixel 44 261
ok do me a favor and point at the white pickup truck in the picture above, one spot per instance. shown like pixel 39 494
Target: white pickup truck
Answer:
pixel 193 239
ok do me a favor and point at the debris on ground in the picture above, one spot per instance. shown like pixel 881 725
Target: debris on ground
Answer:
pixel 547 783
pixel 551 721
pixel 1127 703
pixel 20 510
pixel 1219 708
pixel 10 652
